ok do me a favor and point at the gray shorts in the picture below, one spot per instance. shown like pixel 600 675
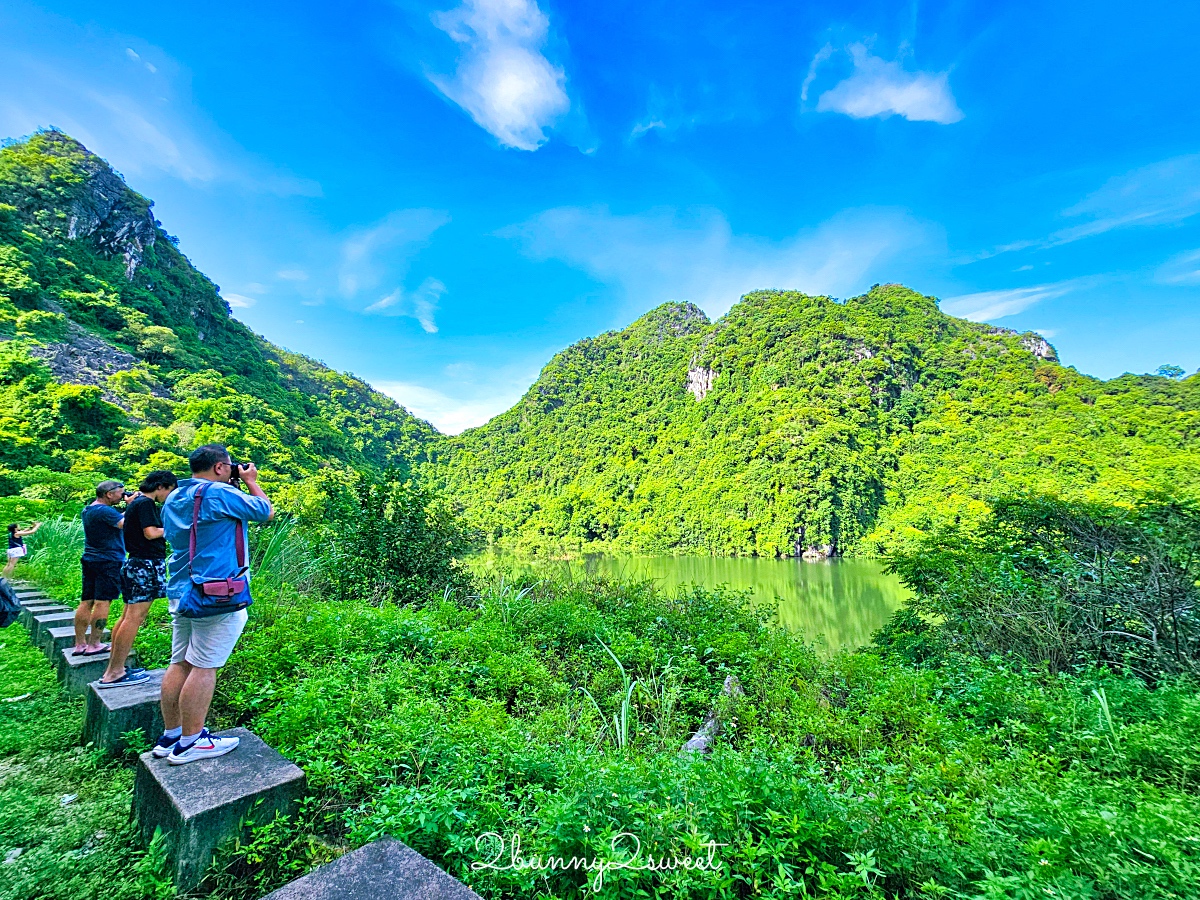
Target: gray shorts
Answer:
pixel 206 643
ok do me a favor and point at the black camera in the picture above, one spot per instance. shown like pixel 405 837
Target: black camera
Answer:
pixel 235 472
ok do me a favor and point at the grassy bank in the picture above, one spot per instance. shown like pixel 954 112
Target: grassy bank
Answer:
pixel 504 709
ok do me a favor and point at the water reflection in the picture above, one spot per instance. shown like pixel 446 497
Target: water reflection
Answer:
pixel 835 603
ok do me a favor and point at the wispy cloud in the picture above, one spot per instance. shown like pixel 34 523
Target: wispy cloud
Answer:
pixel 385 248
pixel 135 113
pixel 239 301
pixel 1161 193
pixel 823 54
pixel 1182 269
pixel 466 396
pixel 985 306
pixel 420 304
pixel 882 88
pixel 666 254
pixel 503 80
pixel 292 275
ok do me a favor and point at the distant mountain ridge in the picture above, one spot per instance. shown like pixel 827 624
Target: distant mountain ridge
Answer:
pixel 797 424
pixel 792 424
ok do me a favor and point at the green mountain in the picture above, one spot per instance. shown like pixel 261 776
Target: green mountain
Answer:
pixel 117 355
pixel 792 424
pixel 798 423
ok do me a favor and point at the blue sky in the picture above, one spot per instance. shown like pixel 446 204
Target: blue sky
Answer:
pixel 439 197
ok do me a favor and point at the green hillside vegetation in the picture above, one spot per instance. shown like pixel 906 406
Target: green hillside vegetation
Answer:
pixel 798 422
pixel 118 356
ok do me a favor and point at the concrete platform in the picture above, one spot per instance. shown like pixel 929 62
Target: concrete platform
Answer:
pixel 199 805
pixel 25 617
pixel 75 673
pixel 33 599
pixel 111 712
pixel 384 868
pixel 48 620
pixel 54 640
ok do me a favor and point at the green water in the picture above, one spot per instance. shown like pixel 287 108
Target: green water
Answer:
pixel 837 603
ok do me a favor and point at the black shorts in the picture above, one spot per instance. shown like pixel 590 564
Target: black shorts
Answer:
pixel 101 580
pixel 143 580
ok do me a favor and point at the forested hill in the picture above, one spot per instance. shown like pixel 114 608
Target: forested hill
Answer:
pixel 798 422
pixel 118 356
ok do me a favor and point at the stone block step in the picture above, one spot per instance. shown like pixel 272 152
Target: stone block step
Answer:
pixel 36 600
pixel 75 673
pixel 55 640
pixel 200 805
pixel 26 615
pixel 48 620
pixel 383 868
pixel 113 712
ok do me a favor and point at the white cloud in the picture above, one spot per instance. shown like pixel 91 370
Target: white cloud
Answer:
pixel 823 54
pixel 502 79
pixel 985 306
pixel 292 275
pixel 239 301
pixel 371 254
pixel 139 118
pixel 466 396
pixel 1183 268
pixel 665 254
pixel 1161 193
pixel 882 88
pixel 420 304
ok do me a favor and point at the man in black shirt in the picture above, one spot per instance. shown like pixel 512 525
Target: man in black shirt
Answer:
pixel 143 576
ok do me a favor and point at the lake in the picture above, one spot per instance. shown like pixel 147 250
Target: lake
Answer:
pixel 837 602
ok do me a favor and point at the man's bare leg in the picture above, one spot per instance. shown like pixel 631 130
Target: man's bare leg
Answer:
pixel 195 698
pixel 83 619
pixel 126 629
pixel 98 621
pixel 172 687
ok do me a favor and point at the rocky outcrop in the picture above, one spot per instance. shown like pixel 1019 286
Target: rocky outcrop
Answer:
pixel 83 358
pixel 700 381
pixel 115 218
pixel 1039 347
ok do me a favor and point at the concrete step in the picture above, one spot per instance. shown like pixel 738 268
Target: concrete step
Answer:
pixel 25 617
pixel 48 620
pixel 38 600
pixel 383 868
pixel 113 712
pixel 200 805
pixel 54 640
pixel 75 673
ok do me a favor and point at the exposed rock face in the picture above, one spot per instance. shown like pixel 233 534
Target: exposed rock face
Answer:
pixel 83 358
pixel 108 212
pixel 700 381
pixel 1039 347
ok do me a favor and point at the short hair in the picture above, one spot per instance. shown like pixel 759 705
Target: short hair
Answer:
pixel 105 486
pixel 159 478
pixel 204 458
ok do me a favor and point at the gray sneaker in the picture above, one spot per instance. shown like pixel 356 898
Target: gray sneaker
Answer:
pixel 204 747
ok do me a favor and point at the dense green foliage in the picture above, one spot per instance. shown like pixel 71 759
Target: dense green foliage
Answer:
pixel 1067 585
pixel 81 259
pixel 857 777
pixel 860 424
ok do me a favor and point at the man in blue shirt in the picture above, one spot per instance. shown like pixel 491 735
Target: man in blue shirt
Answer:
pixel 200 646
pixel 103 556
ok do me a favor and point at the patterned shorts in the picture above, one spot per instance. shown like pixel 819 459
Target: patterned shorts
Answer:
pixel 143 580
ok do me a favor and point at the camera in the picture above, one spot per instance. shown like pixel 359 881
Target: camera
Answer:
pixel 235 476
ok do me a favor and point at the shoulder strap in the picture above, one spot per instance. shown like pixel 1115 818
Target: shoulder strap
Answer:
pixel 239 539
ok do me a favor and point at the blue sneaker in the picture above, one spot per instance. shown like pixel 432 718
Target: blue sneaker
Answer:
pixel 163 746
pixel 125 680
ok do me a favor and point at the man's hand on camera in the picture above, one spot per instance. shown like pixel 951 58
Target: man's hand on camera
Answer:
pixel 248 472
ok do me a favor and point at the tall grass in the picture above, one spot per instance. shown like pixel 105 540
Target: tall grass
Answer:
pixel 53 559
